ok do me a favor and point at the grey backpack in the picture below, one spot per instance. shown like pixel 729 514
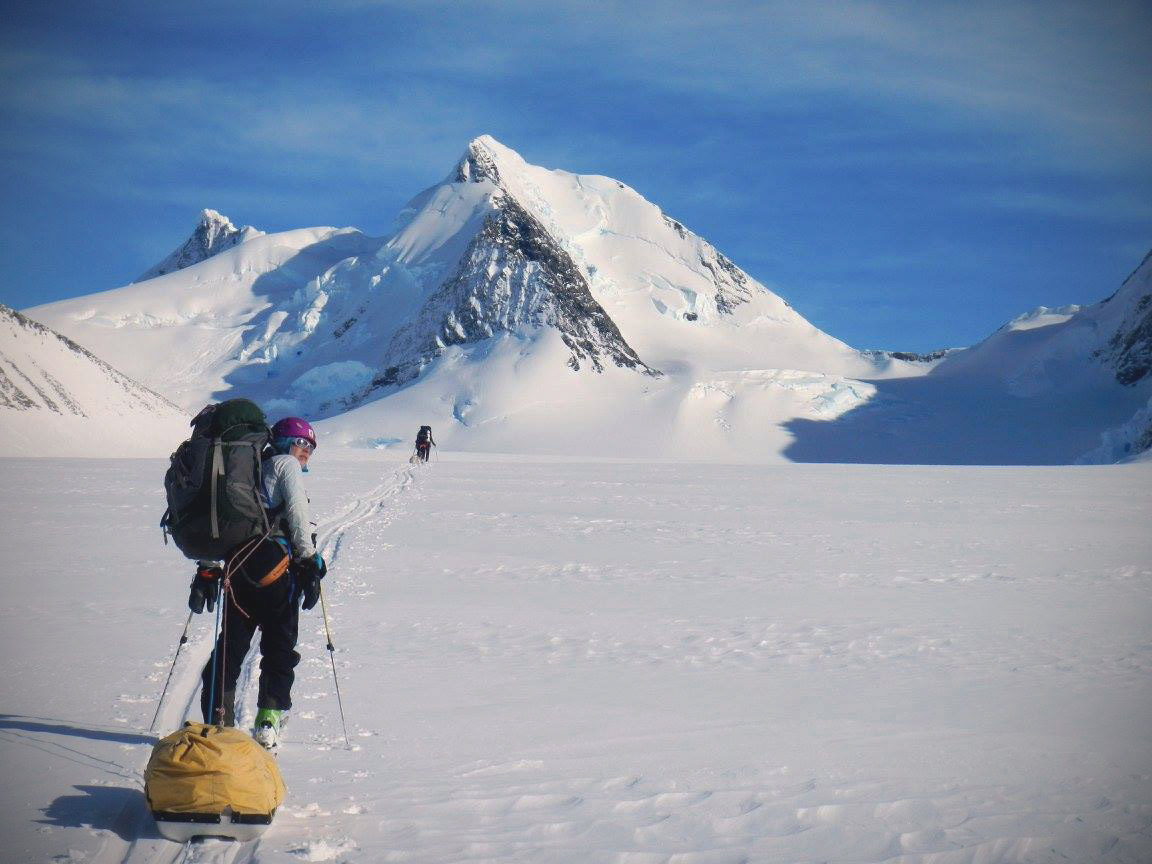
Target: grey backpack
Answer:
pixel 213 482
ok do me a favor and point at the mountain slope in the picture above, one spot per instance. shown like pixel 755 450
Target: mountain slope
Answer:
pixel 58 399
pixel 1129 311
pixel 218 324
pixel 1051 386
pixel 677 301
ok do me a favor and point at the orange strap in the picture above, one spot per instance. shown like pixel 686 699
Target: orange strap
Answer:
pixel 276 572
pixel 243 555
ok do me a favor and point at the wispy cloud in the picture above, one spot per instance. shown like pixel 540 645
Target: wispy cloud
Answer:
pixel 806 136
pixel 1065 76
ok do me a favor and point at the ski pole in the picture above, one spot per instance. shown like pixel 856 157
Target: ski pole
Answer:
pixel 332 657
pixel 164 692
pixel 215 661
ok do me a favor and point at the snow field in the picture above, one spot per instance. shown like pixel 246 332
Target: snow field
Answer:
pixel 619 661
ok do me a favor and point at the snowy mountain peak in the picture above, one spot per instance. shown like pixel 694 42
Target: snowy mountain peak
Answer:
pixel 486 159
pixel 213 233
pixel 478 163
pixel 211 218
pixel 504 288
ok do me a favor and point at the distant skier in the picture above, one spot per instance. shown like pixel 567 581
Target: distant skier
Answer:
pixel 424 443
pixel 271 578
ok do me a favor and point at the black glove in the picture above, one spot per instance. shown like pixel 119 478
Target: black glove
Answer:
pixel 309 572
pixel 205 589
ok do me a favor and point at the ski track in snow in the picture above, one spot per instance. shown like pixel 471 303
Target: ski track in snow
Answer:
pixel 134 820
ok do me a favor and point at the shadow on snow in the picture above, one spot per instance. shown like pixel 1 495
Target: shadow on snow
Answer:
pixel 962 420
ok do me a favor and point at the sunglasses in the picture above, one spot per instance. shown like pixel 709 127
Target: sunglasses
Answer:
pixel 304 444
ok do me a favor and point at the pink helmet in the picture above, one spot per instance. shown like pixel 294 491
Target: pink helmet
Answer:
pixel 294 427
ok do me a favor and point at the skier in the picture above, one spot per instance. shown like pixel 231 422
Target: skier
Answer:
pixel 424 443
pixel 277 576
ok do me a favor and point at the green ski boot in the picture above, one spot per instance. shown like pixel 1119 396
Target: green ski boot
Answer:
pixel 269 723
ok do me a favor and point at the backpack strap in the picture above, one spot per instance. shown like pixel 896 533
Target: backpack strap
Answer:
pixel 217 470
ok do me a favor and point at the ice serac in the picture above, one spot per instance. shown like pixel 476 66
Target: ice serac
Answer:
pixel 213 234
pixel 58 399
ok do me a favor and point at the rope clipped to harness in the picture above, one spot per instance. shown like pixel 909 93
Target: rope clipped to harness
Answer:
pixel 235 564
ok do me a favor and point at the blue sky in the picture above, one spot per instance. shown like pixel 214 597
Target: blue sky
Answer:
pixel 908 175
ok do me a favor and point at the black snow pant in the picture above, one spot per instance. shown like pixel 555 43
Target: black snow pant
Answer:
pixel 422 451
pixel 275 611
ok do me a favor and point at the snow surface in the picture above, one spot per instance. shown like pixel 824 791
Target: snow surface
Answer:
pixel 616 661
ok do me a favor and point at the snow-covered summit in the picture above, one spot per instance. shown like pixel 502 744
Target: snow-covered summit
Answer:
pixel 674 297
pixel 578 269
pixel 481 162
pixel 213 234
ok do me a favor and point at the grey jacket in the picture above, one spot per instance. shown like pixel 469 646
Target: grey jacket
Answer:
pixel 286 500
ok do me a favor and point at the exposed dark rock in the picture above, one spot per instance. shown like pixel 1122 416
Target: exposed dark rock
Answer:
pixel 513 275
pixel 13 396
pixel 1131 345
pixel 676 226
pixel 477 166
pixel 730 281
pixel 913 357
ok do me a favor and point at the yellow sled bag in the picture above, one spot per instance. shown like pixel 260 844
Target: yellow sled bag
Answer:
pixel 202 773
